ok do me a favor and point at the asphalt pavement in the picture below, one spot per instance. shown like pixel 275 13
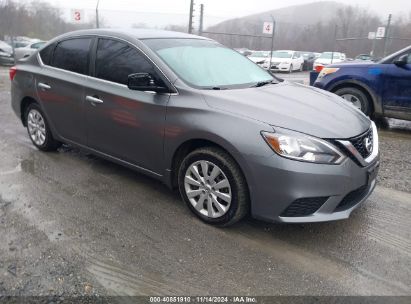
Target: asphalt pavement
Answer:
pixel 74 224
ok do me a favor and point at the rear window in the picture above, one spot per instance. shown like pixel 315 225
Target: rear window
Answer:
pixel 72 55
pixel 47 53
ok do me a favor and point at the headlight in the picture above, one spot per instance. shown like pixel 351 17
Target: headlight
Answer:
pixel 302 147
pixel 326 71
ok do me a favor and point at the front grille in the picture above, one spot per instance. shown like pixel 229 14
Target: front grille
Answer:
pixel 353 198
pixel 304 206
pixel 359 143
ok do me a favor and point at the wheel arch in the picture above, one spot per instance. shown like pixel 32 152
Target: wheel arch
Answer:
pixel 352 83
pixel 25 102
pixel 191 144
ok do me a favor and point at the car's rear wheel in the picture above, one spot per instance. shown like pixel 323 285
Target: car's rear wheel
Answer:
pixel 357 97
pixel 39 130
pixel 213 186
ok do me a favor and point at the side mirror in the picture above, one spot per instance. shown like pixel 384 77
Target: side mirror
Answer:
pixel 402 61
pixel 144 82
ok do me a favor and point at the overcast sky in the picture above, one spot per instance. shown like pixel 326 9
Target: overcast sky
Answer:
pixel 120 12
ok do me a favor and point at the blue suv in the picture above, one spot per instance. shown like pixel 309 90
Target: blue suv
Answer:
pixel 381 89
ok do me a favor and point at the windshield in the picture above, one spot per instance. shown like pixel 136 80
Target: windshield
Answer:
pixel 259 54
pixel 207 64
pixel 328 55
pixel 278 54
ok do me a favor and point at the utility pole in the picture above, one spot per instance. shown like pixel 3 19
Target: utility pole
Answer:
pixel 387 33
pixel 335 40
pixel 97 21
pixel 200 27
pixel 272 44
pixel 190 19
pixel 373 45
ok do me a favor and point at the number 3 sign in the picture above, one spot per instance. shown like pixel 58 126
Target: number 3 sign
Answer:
pixel 77 15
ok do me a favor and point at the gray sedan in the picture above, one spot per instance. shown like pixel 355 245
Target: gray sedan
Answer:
pixel 202 118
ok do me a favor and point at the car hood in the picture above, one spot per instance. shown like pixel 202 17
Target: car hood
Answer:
pixel 295 107
pixel 327 61
pixel 357 64
pixel 257 59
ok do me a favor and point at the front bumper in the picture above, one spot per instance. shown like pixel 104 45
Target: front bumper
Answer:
pixel 285 67
pixel 298 192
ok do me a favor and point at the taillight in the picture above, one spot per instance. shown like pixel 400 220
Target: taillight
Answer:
pixel 319 68
pixel 12 72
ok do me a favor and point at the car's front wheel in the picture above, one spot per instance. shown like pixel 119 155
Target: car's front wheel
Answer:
pixel 39 130
pixel 213 186
pixel 357 97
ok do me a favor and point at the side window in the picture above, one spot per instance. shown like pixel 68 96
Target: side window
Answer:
pixel 399 56
pixel 116 60
pixel 72 55
pixel 47 53
pixel 37 45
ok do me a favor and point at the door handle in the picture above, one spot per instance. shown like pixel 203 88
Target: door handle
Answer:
pixel 94 100
pixel 44 86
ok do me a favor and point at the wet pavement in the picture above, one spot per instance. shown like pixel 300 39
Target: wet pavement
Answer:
pixel 74 224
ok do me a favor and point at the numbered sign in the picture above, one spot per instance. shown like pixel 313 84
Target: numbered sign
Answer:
pixel 77 15
pixel 268 28
pixel 380 32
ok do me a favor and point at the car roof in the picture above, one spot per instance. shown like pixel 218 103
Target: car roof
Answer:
pixel 134 33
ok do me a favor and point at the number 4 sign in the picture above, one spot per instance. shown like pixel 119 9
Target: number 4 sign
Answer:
pixel 268 28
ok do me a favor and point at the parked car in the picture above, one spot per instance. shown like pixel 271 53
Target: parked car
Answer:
pixel 6 54
pixel 378 89
pixel 309 58
pixel 366 57
pixel 286 61
pixel 199 116
pixel 243 51
pixel 259 57
pixel 19 44
pixel 27 50
pixel 327 58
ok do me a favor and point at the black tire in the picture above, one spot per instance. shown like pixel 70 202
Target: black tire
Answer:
pixel 50 144
pixel 362 97
pixel 240 202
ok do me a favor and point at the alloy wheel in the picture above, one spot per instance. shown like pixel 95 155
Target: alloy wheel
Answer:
pixel 208 189
pixel 36 127
pixel 353 99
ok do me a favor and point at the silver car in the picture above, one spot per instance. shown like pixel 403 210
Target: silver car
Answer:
pixel 200 117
